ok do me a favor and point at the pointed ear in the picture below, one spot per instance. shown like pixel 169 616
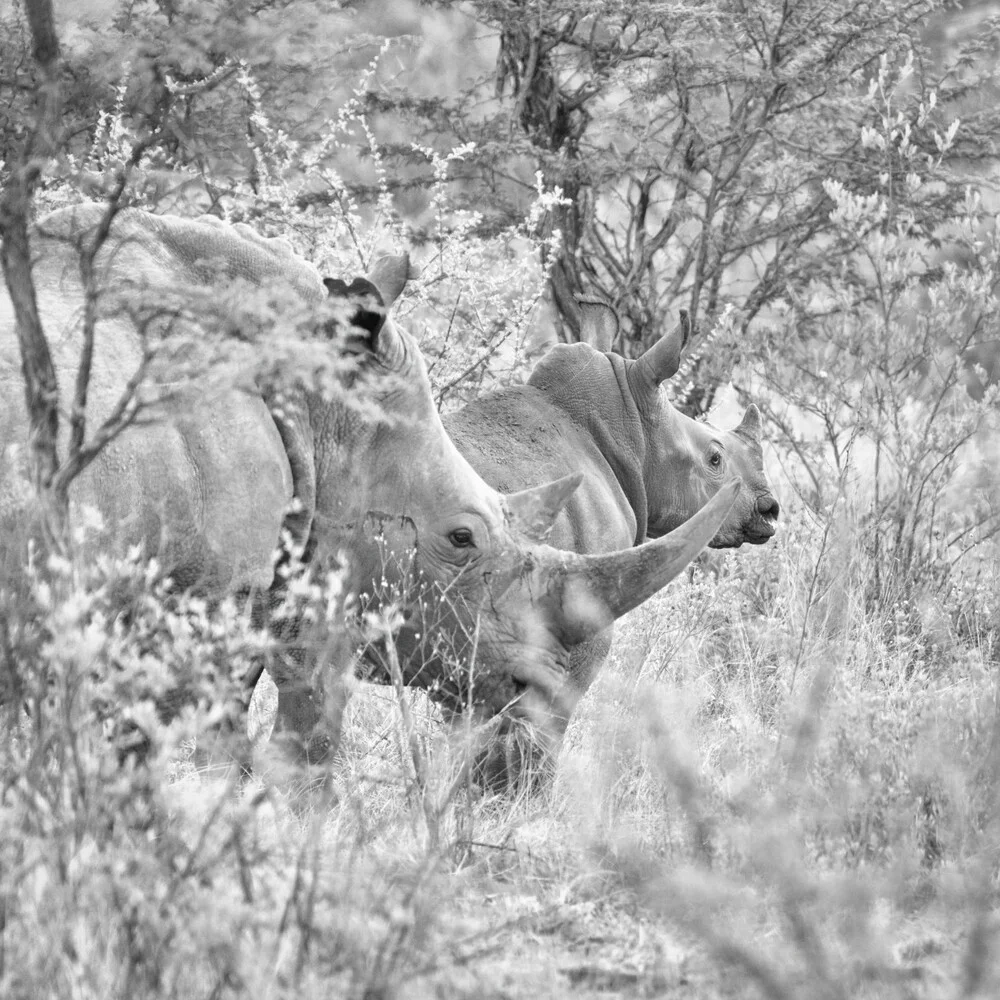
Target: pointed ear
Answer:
pixel 599 324
pixel 534 511
pixel 750 426
pixel 369 314
pixel 390 275
pixel 663 359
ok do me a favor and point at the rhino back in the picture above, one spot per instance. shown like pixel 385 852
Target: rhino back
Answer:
pixel 169 250
pixel 515 439
pixel 202 484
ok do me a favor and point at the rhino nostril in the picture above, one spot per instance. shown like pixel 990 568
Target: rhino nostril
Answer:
pixel 768 507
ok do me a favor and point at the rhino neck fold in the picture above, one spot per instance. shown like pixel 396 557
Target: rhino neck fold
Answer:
pixel 604 407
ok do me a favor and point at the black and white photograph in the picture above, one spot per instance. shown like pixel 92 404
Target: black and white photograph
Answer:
pixel 499 499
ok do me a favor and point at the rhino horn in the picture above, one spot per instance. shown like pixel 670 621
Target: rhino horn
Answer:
pixel 749 427
pixel 390 275
pixel 598 323
pixel 663 359
pixel 533 511
pixel 597 589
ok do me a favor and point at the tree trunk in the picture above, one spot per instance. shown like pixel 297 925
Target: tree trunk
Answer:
pixel 41 387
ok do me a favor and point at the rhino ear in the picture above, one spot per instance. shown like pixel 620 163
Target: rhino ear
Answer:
pixel 534 511
pixel 599 323
pixel 390 275
pixel 663 359
pixel 749 427
pixel 369 313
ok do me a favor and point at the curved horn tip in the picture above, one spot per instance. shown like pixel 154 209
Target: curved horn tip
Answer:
pixel 602 587
pixel 572 481
pixel 560 490
pixel 562 487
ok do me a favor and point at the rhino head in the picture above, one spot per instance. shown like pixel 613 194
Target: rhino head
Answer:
pixel 280 441
pixel 516 614
pixel 668 464
pixel 402 466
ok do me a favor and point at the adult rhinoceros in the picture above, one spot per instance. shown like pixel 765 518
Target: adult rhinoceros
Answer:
pixel 214 468
pixel 647 468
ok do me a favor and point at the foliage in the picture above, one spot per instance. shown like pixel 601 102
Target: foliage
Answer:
pixel 290 187
pixel 189 48
pixel 157 879
pixel 694 142
pixel 872 370
pixel 790 766
pixel 476 294
pixel 790 789
pixel 88 654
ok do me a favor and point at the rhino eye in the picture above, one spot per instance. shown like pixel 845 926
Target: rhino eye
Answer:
pixel 461 538
pixel 715 459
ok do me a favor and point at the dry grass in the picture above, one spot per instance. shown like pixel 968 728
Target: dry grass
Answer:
pixel 767 793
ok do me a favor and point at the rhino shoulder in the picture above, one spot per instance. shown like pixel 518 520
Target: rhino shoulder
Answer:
pixel 170 248
pixel 565 362
pixel 275 246
pixel 72 222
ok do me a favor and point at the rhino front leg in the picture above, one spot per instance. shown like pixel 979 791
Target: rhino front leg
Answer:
pixel 298 726
pixel 313 683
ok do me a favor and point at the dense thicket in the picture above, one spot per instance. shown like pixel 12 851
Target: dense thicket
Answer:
pixel 694 139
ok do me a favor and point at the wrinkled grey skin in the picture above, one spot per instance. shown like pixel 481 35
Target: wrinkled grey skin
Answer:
pixel 206 481
pixel 647 468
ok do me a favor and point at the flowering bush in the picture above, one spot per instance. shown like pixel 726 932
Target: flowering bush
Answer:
pixel 473 297
pixel 876 387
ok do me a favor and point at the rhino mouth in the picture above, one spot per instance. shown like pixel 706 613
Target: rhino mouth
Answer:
pixel 756 535
pixel 762 526
pixel 544 696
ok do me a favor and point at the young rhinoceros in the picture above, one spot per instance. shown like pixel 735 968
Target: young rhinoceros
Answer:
pixel 647 467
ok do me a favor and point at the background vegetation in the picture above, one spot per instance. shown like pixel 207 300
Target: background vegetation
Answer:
pixel 785 783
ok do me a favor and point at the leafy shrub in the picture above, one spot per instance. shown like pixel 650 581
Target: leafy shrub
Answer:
pixel 877 391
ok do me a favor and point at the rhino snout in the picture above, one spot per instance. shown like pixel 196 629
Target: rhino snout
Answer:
pixel 762 527
pixel 546 697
